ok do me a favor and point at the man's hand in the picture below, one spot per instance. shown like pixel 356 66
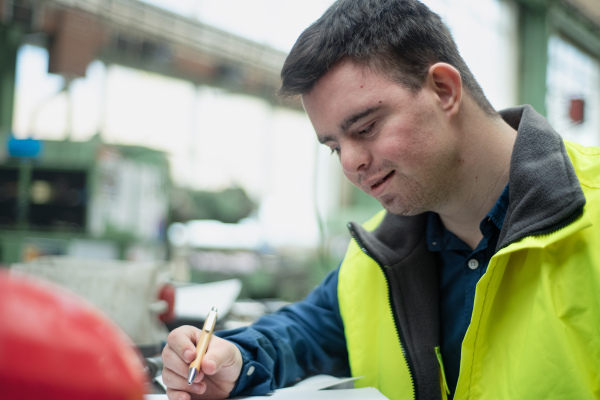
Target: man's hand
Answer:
pixel 219 371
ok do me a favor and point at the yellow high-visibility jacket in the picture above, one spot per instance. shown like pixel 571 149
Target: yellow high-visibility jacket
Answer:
pixel 535 328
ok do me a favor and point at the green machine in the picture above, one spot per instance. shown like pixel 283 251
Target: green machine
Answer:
pixel 82 199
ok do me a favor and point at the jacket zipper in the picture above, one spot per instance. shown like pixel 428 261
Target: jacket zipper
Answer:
pixel 399 334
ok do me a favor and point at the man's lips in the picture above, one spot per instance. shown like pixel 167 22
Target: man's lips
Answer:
pixel 378 183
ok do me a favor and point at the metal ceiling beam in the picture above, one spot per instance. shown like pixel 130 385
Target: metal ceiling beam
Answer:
pixel 143 36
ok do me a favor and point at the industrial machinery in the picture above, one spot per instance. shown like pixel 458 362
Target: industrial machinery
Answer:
pixel 82 199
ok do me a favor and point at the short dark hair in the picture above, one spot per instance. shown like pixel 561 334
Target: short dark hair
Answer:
pixel 398 38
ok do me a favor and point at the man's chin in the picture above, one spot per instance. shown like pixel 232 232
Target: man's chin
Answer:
pixel 393 206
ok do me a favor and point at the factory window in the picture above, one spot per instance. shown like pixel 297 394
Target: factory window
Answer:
pixel 573 92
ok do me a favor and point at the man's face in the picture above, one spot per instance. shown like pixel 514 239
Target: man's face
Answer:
pixel 396 145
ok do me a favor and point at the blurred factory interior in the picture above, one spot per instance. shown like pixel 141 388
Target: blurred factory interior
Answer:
pixel 136 134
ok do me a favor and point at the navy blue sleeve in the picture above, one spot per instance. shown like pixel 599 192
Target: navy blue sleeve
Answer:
pixel 303 339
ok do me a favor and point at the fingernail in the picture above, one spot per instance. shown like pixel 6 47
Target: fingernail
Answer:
pixel 188 356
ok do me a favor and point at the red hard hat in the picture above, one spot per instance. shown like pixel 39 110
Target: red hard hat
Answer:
pixel 54 345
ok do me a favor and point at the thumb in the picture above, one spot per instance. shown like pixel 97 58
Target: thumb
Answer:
pixel 224 357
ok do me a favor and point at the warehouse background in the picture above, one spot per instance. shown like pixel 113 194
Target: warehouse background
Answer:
pixel 150 131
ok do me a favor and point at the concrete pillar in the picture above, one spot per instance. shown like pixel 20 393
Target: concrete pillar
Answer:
pixel 534 34
pixel 10 40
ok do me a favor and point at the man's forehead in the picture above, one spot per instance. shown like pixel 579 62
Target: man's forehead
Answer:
pixel 340 78
pixel 342 70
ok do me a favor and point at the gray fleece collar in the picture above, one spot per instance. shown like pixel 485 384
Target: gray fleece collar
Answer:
pixel 544 191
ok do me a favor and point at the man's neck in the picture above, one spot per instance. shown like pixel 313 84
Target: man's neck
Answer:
pixel 488 149
pixel 465 224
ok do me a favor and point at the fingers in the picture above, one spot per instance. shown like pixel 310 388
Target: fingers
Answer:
pixel 173 362
pixel 218 373
pixel 176 356
pixel 174 379
pixel 177 395
pixel 183 342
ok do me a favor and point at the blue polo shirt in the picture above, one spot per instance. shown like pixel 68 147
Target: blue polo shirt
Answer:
pixel 460 270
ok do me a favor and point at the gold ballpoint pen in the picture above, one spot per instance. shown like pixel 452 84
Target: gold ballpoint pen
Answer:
pixel 202 345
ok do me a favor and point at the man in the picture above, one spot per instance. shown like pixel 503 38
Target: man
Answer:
pixel 480 280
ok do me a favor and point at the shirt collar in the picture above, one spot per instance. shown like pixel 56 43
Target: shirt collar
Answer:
pixel 498 212
pixel 438 238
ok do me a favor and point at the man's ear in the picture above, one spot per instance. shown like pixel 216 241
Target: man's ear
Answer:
pixel 447 84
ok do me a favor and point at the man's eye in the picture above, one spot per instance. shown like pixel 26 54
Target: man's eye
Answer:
pixel 335 150
pixel 366 130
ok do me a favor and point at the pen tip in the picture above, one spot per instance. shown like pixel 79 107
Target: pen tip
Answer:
pixel 192 375
pixel 215 309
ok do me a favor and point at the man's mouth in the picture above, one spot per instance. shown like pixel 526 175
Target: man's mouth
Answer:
pixel 379 182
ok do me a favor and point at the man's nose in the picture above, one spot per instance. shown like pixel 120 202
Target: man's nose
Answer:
pixel 354 157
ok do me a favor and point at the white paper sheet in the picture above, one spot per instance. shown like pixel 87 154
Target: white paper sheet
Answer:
pixel 334 394
pixel 195 301
pixel 319 382
pixel 310 388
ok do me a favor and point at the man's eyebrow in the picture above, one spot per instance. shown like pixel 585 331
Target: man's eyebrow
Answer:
pixel 347 123
pixel 325 139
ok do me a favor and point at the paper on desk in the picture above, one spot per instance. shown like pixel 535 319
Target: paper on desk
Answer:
pixel 335 394
pixel 314 386
pixel 342 394
pixel 318 382
pixel 195 301
pixel 313 383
